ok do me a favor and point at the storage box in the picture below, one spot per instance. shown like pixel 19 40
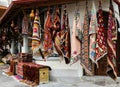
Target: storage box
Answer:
pixel 44 75
pixel 20 69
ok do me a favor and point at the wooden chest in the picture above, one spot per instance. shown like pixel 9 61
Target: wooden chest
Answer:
pixel 20 69
pixel 44 75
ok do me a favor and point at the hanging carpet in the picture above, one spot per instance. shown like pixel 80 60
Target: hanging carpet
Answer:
pixel 92 33
pixel 101 46
pixel 85 60
pixel 47 43
pixel 111 40
pixel 36 33
pixel 76 37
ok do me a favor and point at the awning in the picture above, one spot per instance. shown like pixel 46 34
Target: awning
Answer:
pixel 2 10
pixel 17 5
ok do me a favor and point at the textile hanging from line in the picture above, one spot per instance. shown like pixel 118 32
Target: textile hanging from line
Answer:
pixel 36 34
pixel 65 37
pixel 56 24
pixel 56 32
pixel 25 25
pixel 47 43
pixel 85 60
pixel 111 40
pixel 76 37
pixel 101 46
pixel 92 33
pixel 62 40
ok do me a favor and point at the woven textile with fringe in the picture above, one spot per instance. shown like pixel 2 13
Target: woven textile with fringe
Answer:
pixel 47 43
pixel 101 46
pixel 62 40
pixel 36 33
pixel 76 38
pixel 84 60
pixel 111 40
pixel 92 33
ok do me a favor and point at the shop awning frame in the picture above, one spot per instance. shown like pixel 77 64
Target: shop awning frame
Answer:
pixel 17 5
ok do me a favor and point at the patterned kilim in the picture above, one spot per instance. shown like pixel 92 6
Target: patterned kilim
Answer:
pixel 101 47
pixel 111 40
pixel 47 43
pixel 36 33
pixel 25 25
pixel 56 25
pixel 65 37
pixel 57 28
pixel 62 40
pixel 92 33
pixel 76 38
pixel 85 61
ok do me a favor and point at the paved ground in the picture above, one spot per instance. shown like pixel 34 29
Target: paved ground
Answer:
pixel 96 81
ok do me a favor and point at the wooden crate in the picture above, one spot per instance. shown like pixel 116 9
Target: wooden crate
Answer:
pixel 20 69
pixel 44 75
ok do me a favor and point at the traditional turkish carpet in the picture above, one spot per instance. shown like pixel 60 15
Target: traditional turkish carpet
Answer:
pixel 65 37
pixel 36 33
pixel 56 31
pixel 111 40
pixel 92 33
pixel 101 46
pixel 62 39
pixel 47 43
pixel 85 60
pixel 76 38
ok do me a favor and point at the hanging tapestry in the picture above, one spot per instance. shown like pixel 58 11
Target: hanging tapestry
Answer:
pixel 111 40
pixel 62 40
pixel 101 47
pixel 76 38
pixel 85 60
pixel 92 33
pixel 36 34
pixel 56 31
pixel 25 25
pixel 65 37
pixel 47 43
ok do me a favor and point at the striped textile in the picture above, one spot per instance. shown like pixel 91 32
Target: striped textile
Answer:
pixel 101 46
pixel 111 40
pixel 36 34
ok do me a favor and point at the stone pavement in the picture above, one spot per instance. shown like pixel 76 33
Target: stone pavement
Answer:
pixel 95 81
pixel 85 81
